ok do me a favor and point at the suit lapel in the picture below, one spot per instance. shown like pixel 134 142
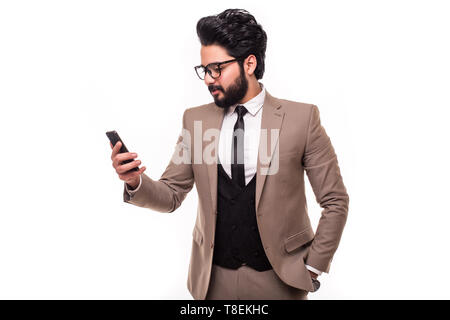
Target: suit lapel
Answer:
pixel 272 118
pixel 214 122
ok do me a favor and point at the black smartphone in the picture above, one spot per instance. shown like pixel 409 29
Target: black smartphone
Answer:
pixel 113 136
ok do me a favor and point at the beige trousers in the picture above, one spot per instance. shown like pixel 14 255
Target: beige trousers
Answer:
pixel 246 283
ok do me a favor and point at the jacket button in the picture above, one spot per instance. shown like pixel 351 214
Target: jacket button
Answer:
pixel 254 228
pixel 234 227
pixel 256 253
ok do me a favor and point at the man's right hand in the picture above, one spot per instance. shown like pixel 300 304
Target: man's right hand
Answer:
pixel 130 177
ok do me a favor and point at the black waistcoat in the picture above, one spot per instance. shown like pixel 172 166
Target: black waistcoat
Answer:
pixel 237 240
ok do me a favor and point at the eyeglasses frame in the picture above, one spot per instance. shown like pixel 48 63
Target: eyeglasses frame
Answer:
pixel 218 65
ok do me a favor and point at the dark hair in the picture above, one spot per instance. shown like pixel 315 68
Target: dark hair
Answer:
pixel 238 32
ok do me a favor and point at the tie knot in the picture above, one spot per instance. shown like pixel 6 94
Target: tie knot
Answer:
pixel 241 110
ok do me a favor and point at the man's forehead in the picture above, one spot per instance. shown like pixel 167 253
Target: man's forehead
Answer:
pixel 213 53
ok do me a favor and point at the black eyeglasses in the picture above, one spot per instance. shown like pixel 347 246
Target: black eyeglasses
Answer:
pixel 214 69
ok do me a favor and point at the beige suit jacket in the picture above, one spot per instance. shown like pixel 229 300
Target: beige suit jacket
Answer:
pixel 281 209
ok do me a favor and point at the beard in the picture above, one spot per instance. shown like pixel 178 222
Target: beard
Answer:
pixel 235 92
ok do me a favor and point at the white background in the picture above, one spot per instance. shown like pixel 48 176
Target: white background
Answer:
pixel 72 70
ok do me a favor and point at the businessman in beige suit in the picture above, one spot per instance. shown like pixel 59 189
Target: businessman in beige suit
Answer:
pixel 252 237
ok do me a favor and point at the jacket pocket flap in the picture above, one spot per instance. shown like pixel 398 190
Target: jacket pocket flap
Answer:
pixel 198 237
pixel 297 240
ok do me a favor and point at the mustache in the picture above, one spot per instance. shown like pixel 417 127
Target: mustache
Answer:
pixel 211 88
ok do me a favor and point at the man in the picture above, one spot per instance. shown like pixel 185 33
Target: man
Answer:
pixel 252 237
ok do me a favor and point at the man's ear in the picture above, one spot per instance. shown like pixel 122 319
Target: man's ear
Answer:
pixel 250 64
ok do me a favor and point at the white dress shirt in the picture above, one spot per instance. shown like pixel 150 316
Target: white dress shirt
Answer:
pixel 252 126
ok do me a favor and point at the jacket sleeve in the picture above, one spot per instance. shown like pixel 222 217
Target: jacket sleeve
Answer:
pixel 321 166
pixel 167 194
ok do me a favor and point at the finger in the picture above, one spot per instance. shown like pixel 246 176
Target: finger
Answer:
pixel 128 166
pixel 116 149
pixel 118 157
pixel 121 157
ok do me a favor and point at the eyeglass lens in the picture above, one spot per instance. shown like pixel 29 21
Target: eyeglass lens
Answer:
pixel 214 71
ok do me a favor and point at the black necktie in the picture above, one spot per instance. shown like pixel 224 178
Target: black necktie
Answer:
pixel 237 149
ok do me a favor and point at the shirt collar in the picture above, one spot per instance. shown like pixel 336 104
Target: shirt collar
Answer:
pixel 254 104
